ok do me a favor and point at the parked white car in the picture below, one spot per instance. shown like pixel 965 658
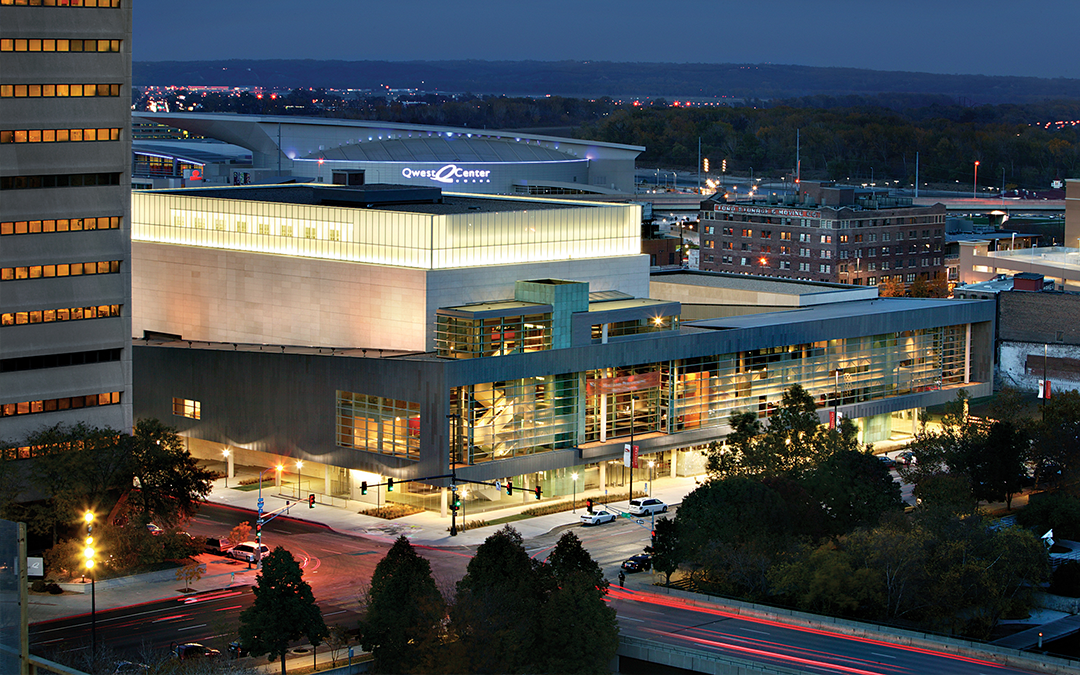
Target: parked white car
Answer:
pixel 247 551
pixel 596 517
pixel 648 506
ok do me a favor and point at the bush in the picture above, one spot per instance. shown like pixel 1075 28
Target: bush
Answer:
pixel 38 586
pixel 1066 579
pixel 1058 510
pixel 54 589
pixel 391 511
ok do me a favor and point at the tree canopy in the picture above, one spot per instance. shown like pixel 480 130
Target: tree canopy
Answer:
pixel 403 619
pixel 284 609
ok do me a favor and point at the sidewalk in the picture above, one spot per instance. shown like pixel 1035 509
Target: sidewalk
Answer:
pixel 428 529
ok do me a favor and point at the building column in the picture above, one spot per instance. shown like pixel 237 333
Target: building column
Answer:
pixel 674 456
pixel 443 502
pixel 603 475
pixel 232 467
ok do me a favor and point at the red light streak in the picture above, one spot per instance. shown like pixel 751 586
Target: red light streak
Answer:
pixel 665 601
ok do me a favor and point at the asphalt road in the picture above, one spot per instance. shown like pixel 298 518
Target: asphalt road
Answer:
pixel 666 619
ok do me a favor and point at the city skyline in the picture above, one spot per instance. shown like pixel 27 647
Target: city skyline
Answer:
pixel 947 38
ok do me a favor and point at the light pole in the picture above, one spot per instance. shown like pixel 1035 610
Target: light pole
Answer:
pixel 573 477
pixel 299 465
pixel 651 478
pixel 259 520
pixel 975 183
pixel 225 454
pixel 88 561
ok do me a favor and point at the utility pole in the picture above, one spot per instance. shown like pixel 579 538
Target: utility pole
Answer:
pixel 699 164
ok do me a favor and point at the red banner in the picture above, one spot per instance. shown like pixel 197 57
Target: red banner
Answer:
pixel 621 385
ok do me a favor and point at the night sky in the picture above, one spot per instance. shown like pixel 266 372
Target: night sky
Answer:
pixel 990 37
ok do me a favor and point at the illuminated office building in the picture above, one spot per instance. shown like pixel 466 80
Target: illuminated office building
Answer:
pixel 382 331
pixel 65 116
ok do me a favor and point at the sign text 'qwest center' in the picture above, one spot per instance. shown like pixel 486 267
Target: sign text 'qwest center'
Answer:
pixel 450 173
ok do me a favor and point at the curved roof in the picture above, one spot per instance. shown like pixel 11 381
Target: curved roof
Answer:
pixel 441 148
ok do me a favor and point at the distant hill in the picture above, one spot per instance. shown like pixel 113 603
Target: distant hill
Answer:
pixel 604 78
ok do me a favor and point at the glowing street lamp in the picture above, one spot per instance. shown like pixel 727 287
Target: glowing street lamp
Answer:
pixel 225 453
pixel 975 183
pixel 573 477
pixel 89 562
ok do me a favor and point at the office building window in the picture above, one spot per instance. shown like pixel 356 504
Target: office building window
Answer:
pixel 57 90
pixel 59 270
pixel 57 404
pixel 59 135
pixel 100 4
pixel 183 407
pixel 462 337
pixel 59 225
pixel 65 314
pixel 52 45
pixel 58 181
pixel 65 360
pixel 378 424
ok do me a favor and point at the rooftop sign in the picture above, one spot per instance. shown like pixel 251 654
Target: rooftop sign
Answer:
pixel 450 173
pixel 767 211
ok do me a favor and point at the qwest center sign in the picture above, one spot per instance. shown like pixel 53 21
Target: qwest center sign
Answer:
pixel 450 173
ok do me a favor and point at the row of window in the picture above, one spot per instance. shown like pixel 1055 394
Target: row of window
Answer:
pixel 59 135
pixel 103 4
pixel 43 361
pixel 55 404
pixel 61 270
pixel 51 45
pixel 66 314
pixel 59 225
pixel 384 425
pixel 885 264
pixel 61 180
pixel 184 407
pixel 57 90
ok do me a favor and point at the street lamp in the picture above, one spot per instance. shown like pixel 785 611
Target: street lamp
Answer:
pixel 225 454
pixel 89 562
pixel 975 183
pixel 651 479
pixel 299 465
pixel 573 477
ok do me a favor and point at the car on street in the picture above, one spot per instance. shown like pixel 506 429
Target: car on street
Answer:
pixel 647 506
pixel 218 545
pixel 194 650
pixel 597 517
pixel 248 551
pixel 889 462
pixel 638 563
pixel 155 530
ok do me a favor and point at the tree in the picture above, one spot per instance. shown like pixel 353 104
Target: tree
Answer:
pixel 284 609
pixel 793 441
pixel 570 557
pixel 999 466
pixel 665 549
pixel 190 572
pixel 240 533
pixel 170 482
pixel 856 489
pixel 499 602
pixel 1057 438
pixel 405 610
pixel 579 631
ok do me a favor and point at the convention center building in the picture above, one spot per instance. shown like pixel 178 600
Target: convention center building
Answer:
pixel 353 333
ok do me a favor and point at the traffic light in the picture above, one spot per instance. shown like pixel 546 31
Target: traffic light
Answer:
pixel 258 530
pixel 363 487
pixel 389 484
pixel 706 165
pixel 457 502
pixel 537 490
pixel 588 505
pixel 509 488
pixel 311 500
pixel 723 165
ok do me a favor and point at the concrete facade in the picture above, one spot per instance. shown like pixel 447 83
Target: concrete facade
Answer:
pixel 65 76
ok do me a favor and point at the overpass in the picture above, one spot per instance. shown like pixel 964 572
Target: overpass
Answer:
pixel 674 631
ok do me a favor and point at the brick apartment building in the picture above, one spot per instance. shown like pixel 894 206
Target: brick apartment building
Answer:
pixel 834 234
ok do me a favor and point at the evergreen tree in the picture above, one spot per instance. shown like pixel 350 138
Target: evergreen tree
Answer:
pixel 665 548
pixel 499 601
pixel 284 609
pixel 171 482
pixel 580 633
pixel 404 613
pixel 569 557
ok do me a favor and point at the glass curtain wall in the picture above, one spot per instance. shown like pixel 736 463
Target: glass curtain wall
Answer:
pixel 378 424
pixel 464 338
pixel 500 420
